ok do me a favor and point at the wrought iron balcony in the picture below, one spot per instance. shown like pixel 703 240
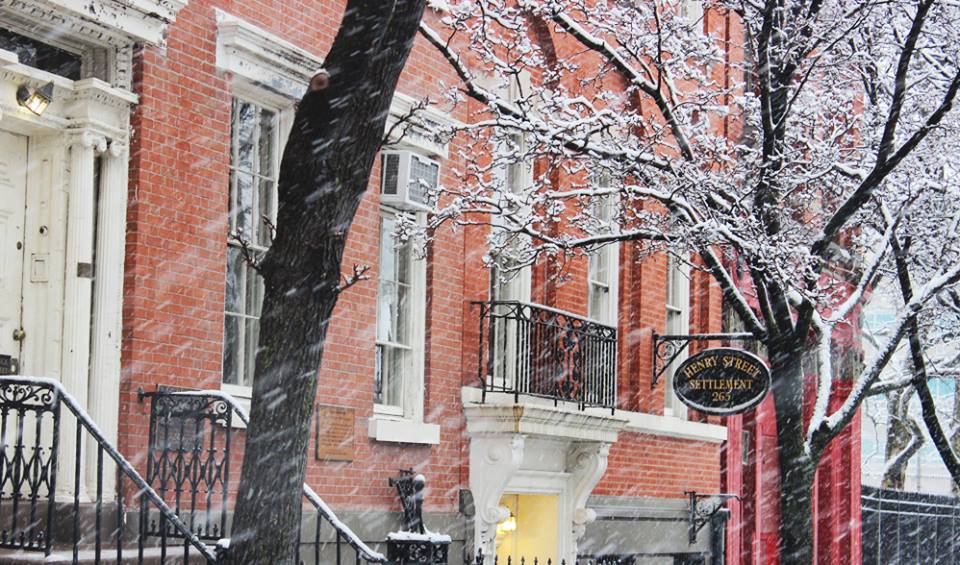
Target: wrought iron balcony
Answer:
pixel 535 350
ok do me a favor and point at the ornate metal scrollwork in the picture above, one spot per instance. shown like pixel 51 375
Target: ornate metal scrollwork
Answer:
pixel 188 458
pixel 703 507
pixel 536 350
pixel 668 348
pixel 30 420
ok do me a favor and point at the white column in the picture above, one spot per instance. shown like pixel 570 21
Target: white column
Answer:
pixel 78 285
pixel 104 379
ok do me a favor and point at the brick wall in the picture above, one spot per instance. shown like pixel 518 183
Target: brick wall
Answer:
pixel 176 257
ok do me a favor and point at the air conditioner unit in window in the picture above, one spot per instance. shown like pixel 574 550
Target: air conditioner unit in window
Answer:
pixel 406 180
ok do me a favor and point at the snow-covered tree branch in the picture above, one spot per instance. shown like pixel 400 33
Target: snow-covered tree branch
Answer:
pixel 780 152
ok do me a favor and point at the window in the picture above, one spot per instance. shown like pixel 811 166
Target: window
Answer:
pixel 401 295
pixel 40 55
pixel 254 152
pixel 603 263
pixel 393 317
pixel 510 280
pixel 678 321
pixel 692 10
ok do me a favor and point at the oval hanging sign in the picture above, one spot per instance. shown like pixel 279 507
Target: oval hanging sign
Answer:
pixel 722 381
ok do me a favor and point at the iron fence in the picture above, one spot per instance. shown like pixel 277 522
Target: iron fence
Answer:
pixel 93 526
pixel 115 515
pixel 189 455
pixel 908 528
pixel 535 350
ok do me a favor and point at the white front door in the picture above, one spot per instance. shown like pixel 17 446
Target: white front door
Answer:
pixel 13 192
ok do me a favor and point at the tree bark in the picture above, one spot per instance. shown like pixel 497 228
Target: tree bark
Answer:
pixel 902 439
pixel 325 171
pixel 797 467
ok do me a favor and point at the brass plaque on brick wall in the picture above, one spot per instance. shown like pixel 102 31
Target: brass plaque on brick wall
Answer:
pixel 333 437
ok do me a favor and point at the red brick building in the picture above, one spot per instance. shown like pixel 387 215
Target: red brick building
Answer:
pixel 166 125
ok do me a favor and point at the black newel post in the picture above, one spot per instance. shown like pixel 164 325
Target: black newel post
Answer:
pixel 414 545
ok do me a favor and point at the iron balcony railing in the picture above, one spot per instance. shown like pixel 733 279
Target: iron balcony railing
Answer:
pixel 527 349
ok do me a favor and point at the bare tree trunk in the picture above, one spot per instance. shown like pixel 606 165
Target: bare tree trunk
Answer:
pixel 902 435
pixel 796 465
pixel 326 167
pixel 955 438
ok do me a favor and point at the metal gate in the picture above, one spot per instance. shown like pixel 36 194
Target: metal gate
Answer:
pixel 908 528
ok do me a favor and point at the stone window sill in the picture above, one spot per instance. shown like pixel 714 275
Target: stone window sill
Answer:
pixel 396 430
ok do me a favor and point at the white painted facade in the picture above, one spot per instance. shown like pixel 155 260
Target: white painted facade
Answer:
pixel 63 181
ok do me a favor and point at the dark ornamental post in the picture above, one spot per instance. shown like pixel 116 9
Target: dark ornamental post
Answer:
pixel 414 545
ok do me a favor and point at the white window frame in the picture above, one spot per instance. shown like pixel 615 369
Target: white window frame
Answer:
pixel 412 395
pixel 678 275
pixel 284 109
pixel 603 211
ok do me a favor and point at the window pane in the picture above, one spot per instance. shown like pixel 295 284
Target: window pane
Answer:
pixel 252 335
pixel 401 316
pixel 234 293
pixel 254 292
pixel 246 119
pixel 599 302
pixel 388 266
pixel 266 211
pixel 231 349
pixel 267 129
pixel 378 375
pixel 386 305
pixel 674 320
pixel 41 56
pixel 389 378
pixel 244 201
pixel 403 259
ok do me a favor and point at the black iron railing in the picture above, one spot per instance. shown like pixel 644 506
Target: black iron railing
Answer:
pixel 189 464
pixel 539 351
pixel 93 526
pixel 115 515
pixel 188 460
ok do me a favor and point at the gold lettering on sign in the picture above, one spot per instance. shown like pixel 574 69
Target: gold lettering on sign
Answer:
pixel 334 438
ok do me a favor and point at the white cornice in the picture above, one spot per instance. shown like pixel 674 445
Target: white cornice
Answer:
pixel 8 58
pixel 261 58
pixel 98 22
pixel 418 132
pixel 634 422
pixel 653 424
pixel 533 420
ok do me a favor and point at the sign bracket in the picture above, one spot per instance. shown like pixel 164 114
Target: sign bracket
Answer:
pixel 703 507
pixel 668 348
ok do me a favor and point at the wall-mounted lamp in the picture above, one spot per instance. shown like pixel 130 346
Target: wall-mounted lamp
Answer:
pixel 35 100
pixel 508 525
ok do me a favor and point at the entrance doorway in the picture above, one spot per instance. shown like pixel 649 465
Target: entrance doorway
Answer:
pixel 13 193
pixel 532 529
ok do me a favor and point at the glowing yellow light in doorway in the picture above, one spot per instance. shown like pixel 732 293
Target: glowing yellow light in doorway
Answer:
pixel 508 525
